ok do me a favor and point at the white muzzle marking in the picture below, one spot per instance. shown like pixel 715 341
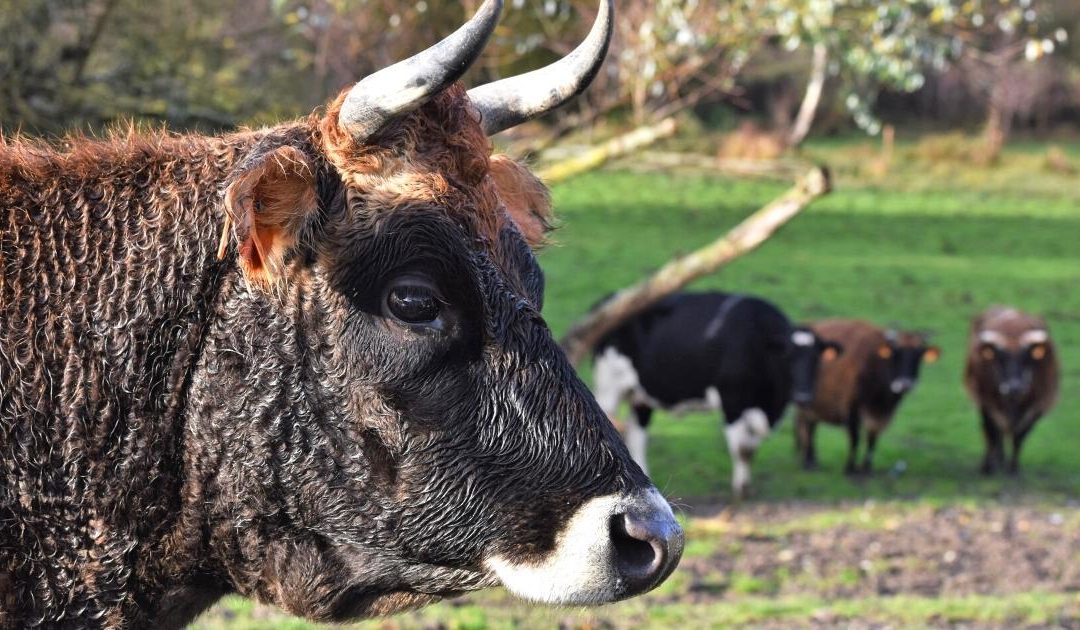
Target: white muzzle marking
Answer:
pixel 581 569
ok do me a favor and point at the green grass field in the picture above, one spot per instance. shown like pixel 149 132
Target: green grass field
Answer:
pixel 927 260
pixel 926 247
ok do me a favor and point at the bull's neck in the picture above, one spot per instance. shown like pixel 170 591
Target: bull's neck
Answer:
pixel 111 278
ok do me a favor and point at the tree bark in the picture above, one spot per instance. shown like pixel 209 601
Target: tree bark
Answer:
pixel 598 156
pixel 743 238
pixel 814 88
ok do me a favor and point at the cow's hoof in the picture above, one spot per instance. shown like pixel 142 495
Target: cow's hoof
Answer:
pixel 811 466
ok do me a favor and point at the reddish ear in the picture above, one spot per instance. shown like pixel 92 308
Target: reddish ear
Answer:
pixel 525 197
pixel 268 204
pixel 933 353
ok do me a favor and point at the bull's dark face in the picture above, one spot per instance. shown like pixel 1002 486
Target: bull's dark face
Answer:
pixel 806 351
pixel 903 355
pixel 1013 366
pixel 442 441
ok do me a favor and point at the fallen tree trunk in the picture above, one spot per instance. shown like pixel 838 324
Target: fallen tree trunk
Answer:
pixel 743 238
pixel 616 147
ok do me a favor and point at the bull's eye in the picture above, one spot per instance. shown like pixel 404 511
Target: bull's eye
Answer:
pixel 414 302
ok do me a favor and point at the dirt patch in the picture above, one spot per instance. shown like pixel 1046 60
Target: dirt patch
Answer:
pixel 859 551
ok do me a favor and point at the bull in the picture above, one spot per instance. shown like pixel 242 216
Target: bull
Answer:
pixel 1012 376
pixel 306 364
pixel 862 389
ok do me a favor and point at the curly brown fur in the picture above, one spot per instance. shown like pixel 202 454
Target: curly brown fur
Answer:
pixel 175 426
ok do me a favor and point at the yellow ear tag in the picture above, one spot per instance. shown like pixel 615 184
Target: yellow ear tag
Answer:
pixel 932 354
pixel 884 351
pixel 828 354
pixel 1038 352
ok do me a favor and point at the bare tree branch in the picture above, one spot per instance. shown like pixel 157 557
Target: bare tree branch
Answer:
pixel 618 146
pixel 812 98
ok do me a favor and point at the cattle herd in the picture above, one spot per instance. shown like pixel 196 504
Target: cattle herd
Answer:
pixel 306 364
pixel 741 356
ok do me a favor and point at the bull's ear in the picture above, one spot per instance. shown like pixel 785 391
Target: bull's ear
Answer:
pixel 268 203
pixel 932 354
pixel 525 198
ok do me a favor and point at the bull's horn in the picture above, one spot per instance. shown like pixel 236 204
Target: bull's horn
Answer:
pixel 509 102
pixel 408 84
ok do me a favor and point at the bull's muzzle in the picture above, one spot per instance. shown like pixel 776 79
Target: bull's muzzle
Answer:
pixel 613 547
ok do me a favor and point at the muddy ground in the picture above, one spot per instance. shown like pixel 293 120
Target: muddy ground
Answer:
pixel 882 550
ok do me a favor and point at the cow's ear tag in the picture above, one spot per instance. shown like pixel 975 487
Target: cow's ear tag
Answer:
pixel 884 351
pixel 1038 351
pixel 932 354
pixel 267 205
pixel 828 354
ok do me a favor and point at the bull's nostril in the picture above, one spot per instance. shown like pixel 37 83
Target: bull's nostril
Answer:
pixel 646 543
pixel 636 557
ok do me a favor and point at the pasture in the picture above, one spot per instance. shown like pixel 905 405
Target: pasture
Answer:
pixel 926 540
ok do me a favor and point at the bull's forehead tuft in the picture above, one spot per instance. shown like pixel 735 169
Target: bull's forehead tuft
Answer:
pixel 1010 327
pixel 437 155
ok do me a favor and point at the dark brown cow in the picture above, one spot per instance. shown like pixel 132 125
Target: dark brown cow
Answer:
pixel 862 388
pixel 306 364
pixel 1012 376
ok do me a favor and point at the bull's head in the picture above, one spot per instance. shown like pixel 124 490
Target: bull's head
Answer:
pixel 807 351
pixel 902 354
pixel 410 428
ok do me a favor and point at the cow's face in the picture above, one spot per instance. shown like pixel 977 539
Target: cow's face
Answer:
pixel 1013 360
pixel 806 351
pixel 902 354
pixel 455 446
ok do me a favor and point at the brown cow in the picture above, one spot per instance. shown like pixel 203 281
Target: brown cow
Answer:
pixel 305 364
pixel 1012 376
pixel 861 388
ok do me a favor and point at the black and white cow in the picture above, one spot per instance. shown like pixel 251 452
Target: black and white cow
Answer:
pixel 709 351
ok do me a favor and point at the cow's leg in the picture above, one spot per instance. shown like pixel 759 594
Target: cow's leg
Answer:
pixel 854 425
pixel 614 377
pixel 744 435
pixel 1017 442
pixel 636 437
pixel 805 428
pixel 995 454
pixel 868 456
